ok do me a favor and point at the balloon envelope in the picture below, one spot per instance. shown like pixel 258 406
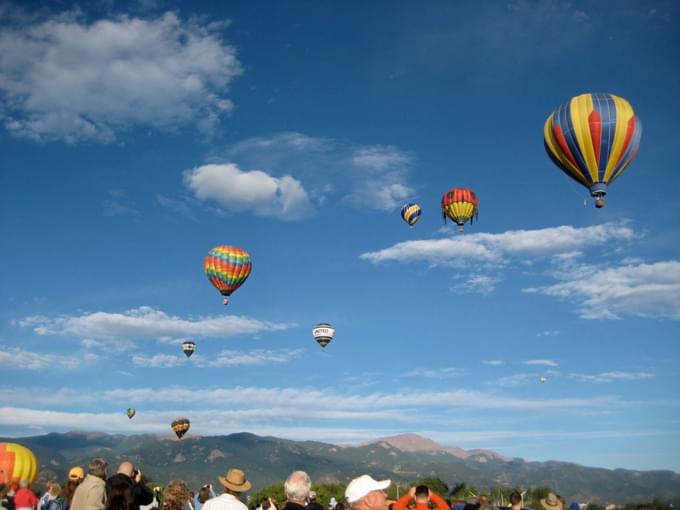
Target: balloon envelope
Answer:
pixel 180 426
pixel 410 213
pixel 131 412
pixel 227 267
pixel 17 463
pixel 323 333
pixel 593 138
pixel 460 205
pixel 188 348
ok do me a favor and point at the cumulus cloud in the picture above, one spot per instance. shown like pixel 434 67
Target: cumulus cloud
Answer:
pixel 642 290
pixel 67 79
pixel 145 322
pixel 226 358
pixel 542 362
pixel 483 248
pixel 476 284
pixel 436 373
pixel 366 176
pixel 40 361
pixel 608 377
pixel 254 191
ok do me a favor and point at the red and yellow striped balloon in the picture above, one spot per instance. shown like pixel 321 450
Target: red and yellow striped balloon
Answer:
pixel 227 268
pixel 17 463
pixel 460 204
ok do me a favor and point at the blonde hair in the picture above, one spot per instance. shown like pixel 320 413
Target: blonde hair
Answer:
pixel 175 495
pixel 53 488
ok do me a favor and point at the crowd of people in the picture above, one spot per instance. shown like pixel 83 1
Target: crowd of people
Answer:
pixel 125 490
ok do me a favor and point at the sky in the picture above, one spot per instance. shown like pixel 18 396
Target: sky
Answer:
pixel 136 136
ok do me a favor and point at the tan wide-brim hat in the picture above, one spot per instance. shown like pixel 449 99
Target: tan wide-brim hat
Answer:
pixel 235 480
pixel 550 502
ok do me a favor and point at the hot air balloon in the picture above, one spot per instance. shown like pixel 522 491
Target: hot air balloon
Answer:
pixel 188 348
pixel 460 204
pixel 593 138
pixel 131 412
pixel 543 380
pixel 17 463
pixel 227 267
pixel 323 334
pixel 410 213
pixel 180 426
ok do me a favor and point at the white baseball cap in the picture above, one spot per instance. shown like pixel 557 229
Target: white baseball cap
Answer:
pixel 361 486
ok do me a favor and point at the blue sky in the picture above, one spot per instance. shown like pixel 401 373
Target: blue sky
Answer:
pixel 137 136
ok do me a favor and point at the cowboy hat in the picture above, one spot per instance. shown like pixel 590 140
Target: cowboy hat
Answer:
pixel 550 502
pixel 235 480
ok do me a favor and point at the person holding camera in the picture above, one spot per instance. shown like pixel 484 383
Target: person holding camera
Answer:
pixel 130 478
pixel 420 498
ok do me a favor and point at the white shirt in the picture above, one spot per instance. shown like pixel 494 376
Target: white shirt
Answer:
pixel 224 502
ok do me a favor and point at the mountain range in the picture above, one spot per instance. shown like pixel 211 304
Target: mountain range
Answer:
pixel 403 458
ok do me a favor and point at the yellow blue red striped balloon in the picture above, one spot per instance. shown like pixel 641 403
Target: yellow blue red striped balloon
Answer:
pixel 227 267
pixel 410 213
pixel 593 138
pixel 460 205
pixel 17 463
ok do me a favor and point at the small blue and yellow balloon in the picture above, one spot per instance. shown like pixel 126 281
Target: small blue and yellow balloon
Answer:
pixel 593 138
pixel 410 213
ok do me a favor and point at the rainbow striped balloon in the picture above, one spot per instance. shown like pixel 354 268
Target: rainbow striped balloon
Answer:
pixel 227 267
pixel 593 138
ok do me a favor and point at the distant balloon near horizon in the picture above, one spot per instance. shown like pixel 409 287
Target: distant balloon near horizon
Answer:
pixel 323 333
pixel 188 348
pixel 227 267
pixel 410 213
pixel 543 380
pixel 180 426
pixel 17 463
pixel 593 138
pixel 460 205
pixel 131 412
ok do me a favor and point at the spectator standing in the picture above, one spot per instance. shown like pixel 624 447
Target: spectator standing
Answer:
pixel 235 484
pixel 25 498
pixel 130 477
pixel 296 487
pixel 91 493
pixel 421 498
pixel 365 493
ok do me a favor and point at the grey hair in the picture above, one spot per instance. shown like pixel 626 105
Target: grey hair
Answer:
pixel 23 483
pixel 297 486
pixel 97 467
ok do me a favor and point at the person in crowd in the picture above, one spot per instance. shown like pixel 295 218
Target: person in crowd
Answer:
pixel 204 494
pixel 296 488
pixel 6 503
pixel 176 496
pixel 365 493
pixel 421 498
pixel 75 478
pixel 235 484
pixel 120 497
pixel 129 476
pixel 312 503
pixel 551 502
pixel 515 501
pixel 25 498
pixel 91 493
pixel 332 503
pixel 52 499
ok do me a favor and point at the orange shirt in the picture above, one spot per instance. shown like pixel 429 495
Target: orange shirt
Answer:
pixel 403 503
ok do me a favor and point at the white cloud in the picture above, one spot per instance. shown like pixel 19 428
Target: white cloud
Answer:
pixel 436 373
pixel 366 176
pixel 494 362
pixel 551 332
pixel 254 191
pixel 643 290
pixel 41 361
pixel 476 284
pixel 64 78
pixel 495 249
pixel 542 362
pixel 608 377
pixel 511 381
pixel 158 360
pixel 226 358
pixel 145 322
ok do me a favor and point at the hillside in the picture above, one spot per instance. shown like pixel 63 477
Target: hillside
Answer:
pixel 268 459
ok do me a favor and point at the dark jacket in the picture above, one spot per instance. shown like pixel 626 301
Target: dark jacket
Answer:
pixel 140 492
pixel 292 506
pixel 313 505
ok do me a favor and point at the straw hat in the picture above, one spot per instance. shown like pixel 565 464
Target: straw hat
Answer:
pixel 235 480
pixel 550 502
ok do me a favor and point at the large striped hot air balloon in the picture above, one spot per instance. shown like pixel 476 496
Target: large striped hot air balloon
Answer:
pixel 460 204
pixel 227 267
pixel 410 213
pixel 593 138
pixel 17 463
pixel 323 333
pixel 180 426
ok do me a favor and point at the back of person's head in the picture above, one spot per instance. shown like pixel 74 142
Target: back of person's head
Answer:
pixel 422 492
pixel 54 489
pixel 486 506
pixel 70 488
pixel 97 467
pixel 175 495
pixel 515 498
pixel 23 484
pixel 297 486
pixel 204 494
pixel 120 497
pixel 126 468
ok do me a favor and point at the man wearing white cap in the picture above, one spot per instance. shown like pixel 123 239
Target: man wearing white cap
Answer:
pixel 365 493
